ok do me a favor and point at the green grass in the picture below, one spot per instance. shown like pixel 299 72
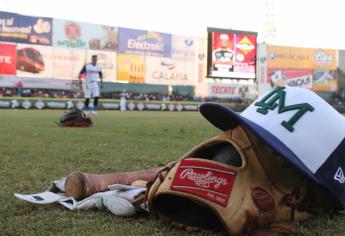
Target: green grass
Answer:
pixel 34 151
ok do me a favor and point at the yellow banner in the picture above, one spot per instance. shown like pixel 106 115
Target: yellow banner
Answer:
pixel 130 68
pixel 301 58
pixel 332 86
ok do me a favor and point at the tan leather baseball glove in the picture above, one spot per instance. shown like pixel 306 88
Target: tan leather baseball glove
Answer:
pixel 236 183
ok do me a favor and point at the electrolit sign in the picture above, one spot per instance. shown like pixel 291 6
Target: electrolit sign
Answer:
pixel 144 42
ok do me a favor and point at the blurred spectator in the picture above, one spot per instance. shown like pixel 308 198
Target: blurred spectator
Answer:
pixel 19 88
pixel 9 92
pixel 342 94
pixel 27 92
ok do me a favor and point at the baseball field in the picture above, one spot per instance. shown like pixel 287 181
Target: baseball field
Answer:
pixel 34 151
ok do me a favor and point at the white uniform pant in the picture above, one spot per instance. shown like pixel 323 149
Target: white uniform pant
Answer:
pixel 91 89
pixel 123 103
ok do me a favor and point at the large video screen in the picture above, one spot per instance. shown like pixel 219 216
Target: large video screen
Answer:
pixel 231 54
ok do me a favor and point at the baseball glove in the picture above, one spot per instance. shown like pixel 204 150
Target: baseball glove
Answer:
pixel 235 182
pixel 74 118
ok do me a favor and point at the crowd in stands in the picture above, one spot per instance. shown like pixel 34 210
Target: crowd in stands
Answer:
pixel 335 99
pixel 57 93
pixel 64 94
pixel 147 96
pixel 40 93
pixel 338 98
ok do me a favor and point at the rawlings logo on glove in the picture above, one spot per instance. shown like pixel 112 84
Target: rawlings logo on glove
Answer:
pixel 207 180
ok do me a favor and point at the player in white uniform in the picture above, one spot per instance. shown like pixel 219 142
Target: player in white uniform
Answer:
pixel 92 72
pixel 123 100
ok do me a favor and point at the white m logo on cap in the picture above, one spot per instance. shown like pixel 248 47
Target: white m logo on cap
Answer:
pixel 339 176
pixel 276 98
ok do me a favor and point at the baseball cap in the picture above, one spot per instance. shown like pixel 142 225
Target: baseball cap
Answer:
pixel 299 125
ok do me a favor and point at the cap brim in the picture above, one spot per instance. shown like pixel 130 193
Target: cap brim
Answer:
pixel 224 118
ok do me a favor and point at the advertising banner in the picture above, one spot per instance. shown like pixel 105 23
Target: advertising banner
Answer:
pixel 245 55
pixel 58 103
pixel 35 61
pixel 144 42
pixel 201 59
pixel 231 90
pixel 264 84
pixel 325 81
pixel 301 58
pixel 72 34
pixel 183 48
pixel 107 61
pixel 168 72
pixel 201 87
pixel 8 81
pixel 130 68
pixel 290 78
pixel 8 54
pixel 25 29
pixel 68 63
pixel 231 54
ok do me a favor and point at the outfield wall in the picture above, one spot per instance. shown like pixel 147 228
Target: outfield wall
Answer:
pixel 39 104
pixel 112 104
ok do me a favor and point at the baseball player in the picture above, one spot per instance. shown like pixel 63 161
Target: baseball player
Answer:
pixel 123 100
pixel 91 72
pixel 223 56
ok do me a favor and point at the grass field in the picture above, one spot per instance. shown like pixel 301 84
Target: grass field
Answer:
pixel 34 151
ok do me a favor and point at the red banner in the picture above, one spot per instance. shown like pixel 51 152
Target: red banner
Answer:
pixel 290 77
pixel 8 55
pixel 245 54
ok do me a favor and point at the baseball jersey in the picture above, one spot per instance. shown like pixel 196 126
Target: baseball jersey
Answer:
pixel 224 55
pixel 91 72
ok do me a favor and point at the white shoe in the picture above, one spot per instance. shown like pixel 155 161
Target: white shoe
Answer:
pixel 94 113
